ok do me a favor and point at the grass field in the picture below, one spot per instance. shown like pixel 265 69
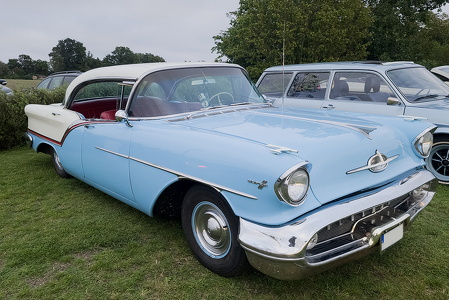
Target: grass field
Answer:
pixel 16 84
pixel 61 239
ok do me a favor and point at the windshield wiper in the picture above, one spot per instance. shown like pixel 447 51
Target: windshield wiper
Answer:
pixel 426 97
pixel 252 103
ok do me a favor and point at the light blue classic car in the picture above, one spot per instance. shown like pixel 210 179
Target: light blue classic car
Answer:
pixel 293 192
pixel 394 88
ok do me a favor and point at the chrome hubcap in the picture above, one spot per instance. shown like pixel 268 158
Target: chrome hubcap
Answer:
pixel 211 229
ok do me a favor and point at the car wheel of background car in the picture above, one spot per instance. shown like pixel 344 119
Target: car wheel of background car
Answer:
pixel 211 230
pixel 220 100
pixel 57 164
pixel 438 160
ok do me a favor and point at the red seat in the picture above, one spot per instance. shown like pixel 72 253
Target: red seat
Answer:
pixel 108 115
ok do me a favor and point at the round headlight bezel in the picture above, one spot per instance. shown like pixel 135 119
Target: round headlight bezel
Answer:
pixel 292 187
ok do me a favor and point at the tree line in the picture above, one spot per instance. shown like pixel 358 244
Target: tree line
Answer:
pixel 264 33
pixel 70 54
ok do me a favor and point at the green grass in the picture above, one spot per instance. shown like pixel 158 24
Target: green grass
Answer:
pixel 61 239
pixel 16 84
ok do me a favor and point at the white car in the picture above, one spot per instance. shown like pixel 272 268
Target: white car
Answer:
pixel 396 88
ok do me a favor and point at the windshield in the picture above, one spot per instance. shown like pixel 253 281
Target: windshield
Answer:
pixel 418 84
pixel 189 89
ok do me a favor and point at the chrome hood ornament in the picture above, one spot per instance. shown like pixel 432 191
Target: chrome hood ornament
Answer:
pixel 376 163
pixel 280 149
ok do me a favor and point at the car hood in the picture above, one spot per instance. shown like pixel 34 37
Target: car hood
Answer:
pixel 333 143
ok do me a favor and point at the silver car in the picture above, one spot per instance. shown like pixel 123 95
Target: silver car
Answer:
pixel 397 88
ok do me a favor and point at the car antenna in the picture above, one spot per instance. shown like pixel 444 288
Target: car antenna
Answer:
pixel 283 67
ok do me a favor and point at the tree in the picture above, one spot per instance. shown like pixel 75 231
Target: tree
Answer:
pixel 124 55
pixel 26 64
pixel 396 25
pixel 120 56
pixel 91 62
pixel 14 66
pixel 25 67
pixel 431 44
pixel 68 55
pixel 40 67
pixel 4 70
pixel 148 58
pixel 271 32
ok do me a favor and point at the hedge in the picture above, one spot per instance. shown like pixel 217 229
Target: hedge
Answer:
pixel 13 121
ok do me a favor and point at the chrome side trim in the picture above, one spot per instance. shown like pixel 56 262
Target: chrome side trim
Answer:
pixel 181 175
pixel 365 130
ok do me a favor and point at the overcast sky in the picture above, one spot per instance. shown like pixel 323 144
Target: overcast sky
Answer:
pixel 177 30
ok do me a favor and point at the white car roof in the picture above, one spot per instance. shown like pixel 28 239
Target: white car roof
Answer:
pixel 345 65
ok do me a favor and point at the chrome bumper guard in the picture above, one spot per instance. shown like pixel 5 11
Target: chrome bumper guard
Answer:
pixel 338 233
pixel 29 139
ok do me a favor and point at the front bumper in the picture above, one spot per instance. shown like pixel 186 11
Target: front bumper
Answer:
pixel 337 233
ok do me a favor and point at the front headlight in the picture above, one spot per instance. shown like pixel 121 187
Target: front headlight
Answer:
pixel 423 143
pixel 292 186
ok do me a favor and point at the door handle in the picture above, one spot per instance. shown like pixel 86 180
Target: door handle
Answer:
pixel 55 114
pixel 89 126
pixel 329 106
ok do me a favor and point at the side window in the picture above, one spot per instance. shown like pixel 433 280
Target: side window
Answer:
pixel 274 85
pixel 55 83
pixel 360 86
pixel 100 100
pixel 99 90
pixel 67 80
pixel 309 85
pixel 44 83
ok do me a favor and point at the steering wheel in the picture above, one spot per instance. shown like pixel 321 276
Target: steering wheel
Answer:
pixel 219 98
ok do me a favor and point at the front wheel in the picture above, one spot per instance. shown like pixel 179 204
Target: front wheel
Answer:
pixel 211 230
pixel 438 161
pixel 57 164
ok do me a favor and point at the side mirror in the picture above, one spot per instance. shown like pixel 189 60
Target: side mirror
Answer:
pixel 121 115
pixel 393 101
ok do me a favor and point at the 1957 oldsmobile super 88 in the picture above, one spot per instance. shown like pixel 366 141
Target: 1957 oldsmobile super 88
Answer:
pixel 292 191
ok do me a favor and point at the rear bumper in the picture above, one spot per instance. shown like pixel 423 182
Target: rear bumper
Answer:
pixel 337 233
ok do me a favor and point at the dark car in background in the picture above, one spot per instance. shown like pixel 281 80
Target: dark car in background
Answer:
pixel 3 88
pixel 58 79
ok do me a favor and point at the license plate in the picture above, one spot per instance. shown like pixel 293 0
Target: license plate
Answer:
pixel 391 237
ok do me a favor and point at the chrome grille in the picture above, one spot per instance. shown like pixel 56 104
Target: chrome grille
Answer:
pixel 348 233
